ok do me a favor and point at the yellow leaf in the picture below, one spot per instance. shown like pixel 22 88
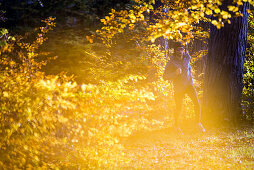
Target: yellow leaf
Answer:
pixel 214 22
pixel 5 94
pixel 103 20
pixel 209 12
pixel 25 147
pixel 89 39
pixel 217 10
pixel 236 9
pixel 225 15
pixel 231 8
pixel 194 7
pixel 239 3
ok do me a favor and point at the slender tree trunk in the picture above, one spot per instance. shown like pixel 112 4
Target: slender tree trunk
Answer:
pixel 224 70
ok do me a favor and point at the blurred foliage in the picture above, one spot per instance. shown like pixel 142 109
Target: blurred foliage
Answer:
pixel 78 13
pixel 52 122
pixel 177 20
pixel 248 78
pixel 74 20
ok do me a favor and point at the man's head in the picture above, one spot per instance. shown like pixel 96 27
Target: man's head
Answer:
pixel 179 49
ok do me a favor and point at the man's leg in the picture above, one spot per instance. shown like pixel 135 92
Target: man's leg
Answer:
pixel 179 95
pixel 194 97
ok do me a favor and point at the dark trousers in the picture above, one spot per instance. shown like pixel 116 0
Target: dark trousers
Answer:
pixel 179 96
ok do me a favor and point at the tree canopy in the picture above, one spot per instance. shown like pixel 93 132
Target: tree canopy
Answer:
pixel 178 20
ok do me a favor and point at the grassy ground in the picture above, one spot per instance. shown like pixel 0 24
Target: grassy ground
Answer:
pixel 166 149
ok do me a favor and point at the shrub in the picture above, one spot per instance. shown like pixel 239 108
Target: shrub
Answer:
pixel 49 121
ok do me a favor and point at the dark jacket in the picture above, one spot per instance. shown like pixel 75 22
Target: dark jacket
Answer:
pixel 185 78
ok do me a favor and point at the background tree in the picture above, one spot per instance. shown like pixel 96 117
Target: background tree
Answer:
pixel 223 81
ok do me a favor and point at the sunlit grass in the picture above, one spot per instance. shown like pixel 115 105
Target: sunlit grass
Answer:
pixel 164 149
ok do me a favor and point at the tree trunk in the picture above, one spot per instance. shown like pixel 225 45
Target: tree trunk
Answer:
pixel 224 70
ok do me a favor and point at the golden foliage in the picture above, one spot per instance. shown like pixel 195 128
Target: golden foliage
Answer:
pixel 51 122
pixel 177 20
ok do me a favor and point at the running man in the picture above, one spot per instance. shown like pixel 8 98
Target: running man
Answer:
pixel 178 69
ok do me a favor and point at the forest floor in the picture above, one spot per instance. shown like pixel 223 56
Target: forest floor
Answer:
pixel 167 149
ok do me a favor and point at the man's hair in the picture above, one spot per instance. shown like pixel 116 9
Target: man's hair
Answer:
pixel 177 45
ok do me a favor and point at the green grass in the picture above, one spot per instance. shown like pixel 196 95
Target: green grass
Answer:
pixel 165 149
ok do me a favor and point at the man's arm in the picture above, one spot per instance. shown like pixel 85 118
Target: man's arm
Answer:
pixel 171 71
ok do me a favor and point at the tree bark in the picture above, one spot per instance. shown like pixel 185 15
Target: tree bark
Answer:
pixel 223 81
